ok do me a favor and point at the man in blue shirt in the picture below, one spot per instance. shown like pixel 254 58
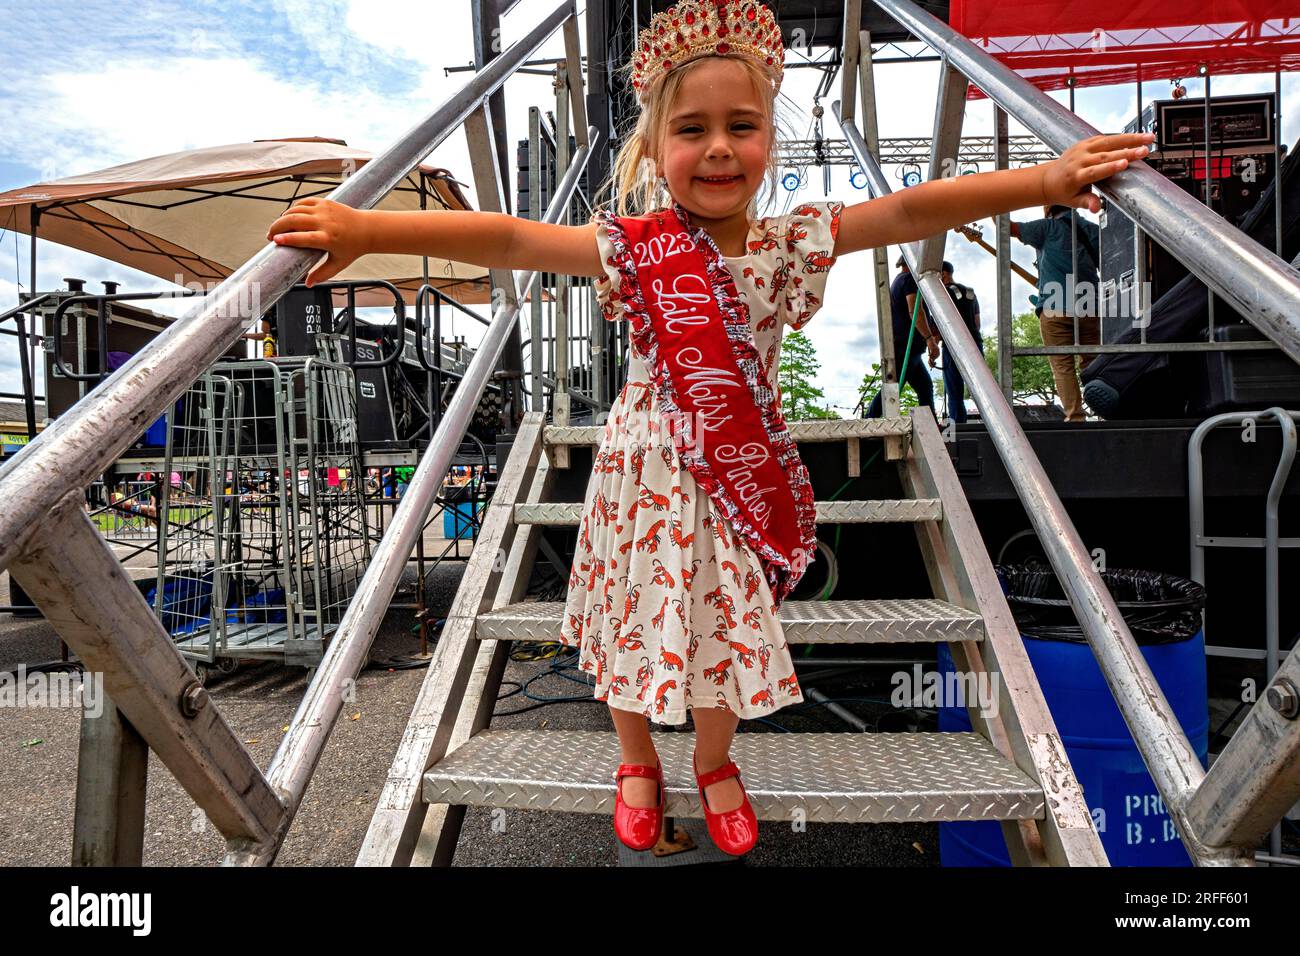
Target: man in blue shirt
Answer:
pixel 1063 295
pixel 903 294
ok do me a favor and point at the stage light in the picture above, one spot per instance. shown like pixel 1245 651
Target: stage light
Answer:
pixel 857 179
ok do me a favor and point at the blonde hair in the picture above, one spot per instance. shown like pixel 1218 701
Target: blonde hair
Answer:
pixel 633 188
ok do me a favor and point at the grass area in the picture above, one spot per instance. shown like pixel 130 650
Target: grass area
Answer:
pixel 110 520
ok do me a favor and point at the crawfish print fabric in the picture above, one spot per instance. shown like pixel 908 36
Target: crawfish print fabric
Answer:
pixel 669 610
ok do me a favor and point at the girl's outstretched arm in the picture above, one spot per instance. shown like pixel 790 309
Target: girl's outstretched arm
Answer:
pixel 933 207
pixel 485 239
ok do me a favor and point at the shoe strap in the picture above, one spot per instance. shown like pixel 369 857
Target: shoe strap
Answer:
pixel 728 769
pixel 637 770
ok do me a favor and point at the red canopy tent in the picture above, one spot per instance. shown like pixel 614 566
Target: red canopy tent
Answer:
pixel 1104 42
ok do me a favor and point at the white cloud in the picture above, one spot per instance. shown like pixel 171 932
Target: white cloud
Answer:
pixel 366 72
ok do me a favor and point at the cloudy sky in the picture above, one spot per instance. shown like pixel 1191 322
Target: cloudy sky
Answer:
pixel 94 87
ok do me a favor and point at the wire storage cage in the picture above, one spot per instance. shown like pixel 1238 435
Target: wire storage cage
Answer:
pixel 265 538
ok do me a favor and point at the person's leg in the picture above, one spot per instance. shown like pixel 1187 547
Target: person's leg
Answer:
pixel 954 389
pixel 1089 334
pixel 919 379
pixel 979 340
pixel 1058 329
pixel 633 731
pixel 714 728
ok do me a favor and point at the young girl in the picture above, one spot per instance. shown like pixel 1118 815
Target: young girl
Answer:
pixel 699 515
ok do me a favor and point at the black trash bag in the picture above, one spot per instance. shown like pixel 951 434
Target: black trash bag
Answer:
pixel 1158 608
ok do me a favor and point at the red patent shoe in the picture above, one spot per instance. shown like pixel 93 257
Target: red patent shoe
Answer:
pixel 735 831
pixel 638 827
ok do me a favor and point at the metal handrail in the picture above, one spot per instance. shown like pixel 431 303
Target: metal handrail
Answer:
pixel 24 359
pixel 1209 345
pixel 399 313
pixel 80 444
pixel 1151 202
pixel 1169 756
pixel 27 306
pixel 1271 542
pixel 422 324
pixel 1174 766
pixel 1260 285
pixel 1286 422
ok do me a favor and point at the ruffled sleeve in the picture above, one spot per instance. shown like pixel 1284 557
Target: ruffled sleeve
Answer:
pixel 808 236
pixel 607 285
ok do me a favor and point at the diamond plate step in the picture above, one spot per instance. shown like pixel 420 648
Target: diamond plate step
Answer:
pixel 809 431
pixel 828 512
pixel 822 778
pixel 893 621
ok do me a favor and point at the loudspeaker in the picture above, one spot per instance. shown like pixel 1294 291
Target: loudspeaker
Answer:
pixel 1241 167
pixel 1244 380
pixel 300 316
pixel 375 425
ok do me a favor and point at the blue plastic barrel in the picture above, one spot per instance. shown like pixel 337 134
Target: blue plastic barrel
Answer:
pixel 1130 816
pixel 156 434
pixel 458 520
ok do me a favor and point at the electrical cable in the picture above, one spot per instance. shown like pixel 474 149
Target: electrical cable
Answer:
pixel 399 664
pixel 1214 737
pixel 48 667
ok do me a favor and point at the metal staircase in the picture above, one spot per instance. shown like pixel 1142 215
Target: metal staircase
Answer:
pixel 1009 770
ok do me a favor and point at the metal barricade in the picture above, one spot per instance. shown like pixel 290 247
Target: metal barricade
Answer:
pixel 50 546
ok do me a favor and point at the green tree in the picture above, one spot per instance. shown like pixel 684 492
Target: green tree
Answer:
pixel 906 397
pixel 796 375
pixel 1031 375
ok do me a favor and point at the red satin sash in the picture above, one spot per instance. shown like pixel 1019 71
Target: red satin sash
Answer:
pixel 691 328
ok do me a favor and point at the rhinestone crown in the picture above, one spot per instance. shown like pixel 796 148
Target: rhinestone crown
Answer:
pixel 698 28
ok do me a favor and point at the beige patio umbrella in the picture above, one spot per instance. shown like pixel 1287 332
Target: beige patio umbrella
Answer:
pixel 202 213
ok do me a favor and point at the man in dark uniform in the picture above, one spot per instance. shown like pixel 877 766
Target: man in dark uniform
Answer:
pixel 954 388
pixel 903 295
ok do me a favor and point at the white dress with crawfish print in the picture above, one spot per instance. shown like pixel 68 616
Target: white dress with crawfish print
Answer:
pixel 668 608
